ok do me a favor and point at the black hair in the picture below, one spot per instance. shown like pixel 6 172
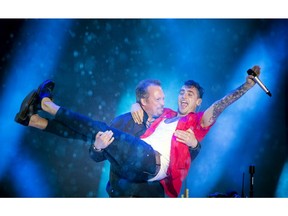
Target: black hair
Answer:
pixel 192 83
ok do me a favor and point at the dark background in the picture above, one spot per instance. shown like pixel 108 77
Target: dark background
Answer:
pixel 96 64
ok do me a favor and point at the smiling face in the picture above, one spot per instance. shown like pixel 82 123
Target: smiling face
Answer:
pixel 154 103
pixel 188 100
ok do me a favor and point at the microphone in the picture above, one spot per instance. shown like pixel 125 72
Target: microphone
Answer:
pixel 258 81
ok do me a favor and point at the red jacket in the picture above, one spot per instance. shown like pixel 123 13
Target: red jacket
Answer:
pixel 180 159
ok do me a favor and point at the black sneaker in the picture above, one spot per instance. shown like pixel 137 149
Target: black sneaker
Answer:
pixel 32 102
pixel 28 108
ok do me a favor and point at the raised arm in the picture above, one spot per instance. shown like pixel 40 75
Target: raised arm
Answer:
pixel 214 111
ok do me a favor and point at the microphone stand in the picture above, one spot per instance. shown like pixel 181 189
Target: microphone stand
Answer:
pixel 251 171
pixel 243 189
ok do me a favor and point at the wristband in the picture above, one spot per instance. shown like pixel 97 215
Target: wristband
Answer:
pixel 95 149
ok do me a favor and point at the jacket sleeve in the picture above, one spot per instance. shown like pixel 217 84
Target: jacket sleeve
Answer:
pixel 97 156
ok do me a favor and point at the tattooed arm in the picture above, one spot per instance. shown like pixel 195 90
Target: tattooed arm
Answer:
pixel 213 112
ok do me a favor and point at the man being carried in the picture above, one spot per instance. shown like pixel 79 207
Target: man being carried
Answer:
pixel 136 159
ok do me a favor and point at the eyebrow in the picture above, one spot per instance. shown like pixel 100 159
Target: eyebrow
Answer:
pixel 189 90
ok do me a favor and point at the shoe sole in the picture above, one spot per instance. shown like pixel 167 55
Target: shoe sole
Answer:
pixel 21 116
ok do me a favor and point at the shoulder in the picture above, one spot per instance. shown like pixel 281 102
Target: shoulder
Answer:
pixel 169 113
pixel 195 114
pixel 126 124
pixel 122 118
pixel 192 117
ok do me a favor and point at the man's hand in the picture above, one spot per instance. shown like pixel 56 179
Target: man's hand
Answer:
pixel 187 137
pixel 249 79
pixel 137 113
pixel 103 139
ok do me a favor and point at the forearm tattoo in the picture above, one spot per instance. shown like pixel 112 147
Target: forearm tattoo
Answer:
pixel 220 105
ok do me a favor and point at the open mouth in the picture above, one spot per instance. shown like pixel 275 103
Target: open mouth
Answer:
pixel 183 104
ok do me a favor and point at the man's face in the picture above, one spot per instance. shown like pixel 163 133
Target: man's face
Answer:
pixel 188 100
pixel 154 104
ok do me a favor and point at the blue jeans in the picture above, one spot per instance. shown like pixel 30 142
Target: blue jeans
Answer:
pixel 134 158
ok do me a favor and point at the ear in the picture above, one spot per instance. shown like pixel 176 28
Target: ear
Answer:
pixel 199 101
pixel 143 101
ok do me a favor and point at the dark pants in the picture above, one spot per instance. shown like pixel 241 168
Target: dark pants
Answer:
pixel 134 158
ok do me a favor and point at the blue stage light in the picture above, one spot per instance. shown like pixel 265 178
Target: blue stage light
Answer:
pixel 37 52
